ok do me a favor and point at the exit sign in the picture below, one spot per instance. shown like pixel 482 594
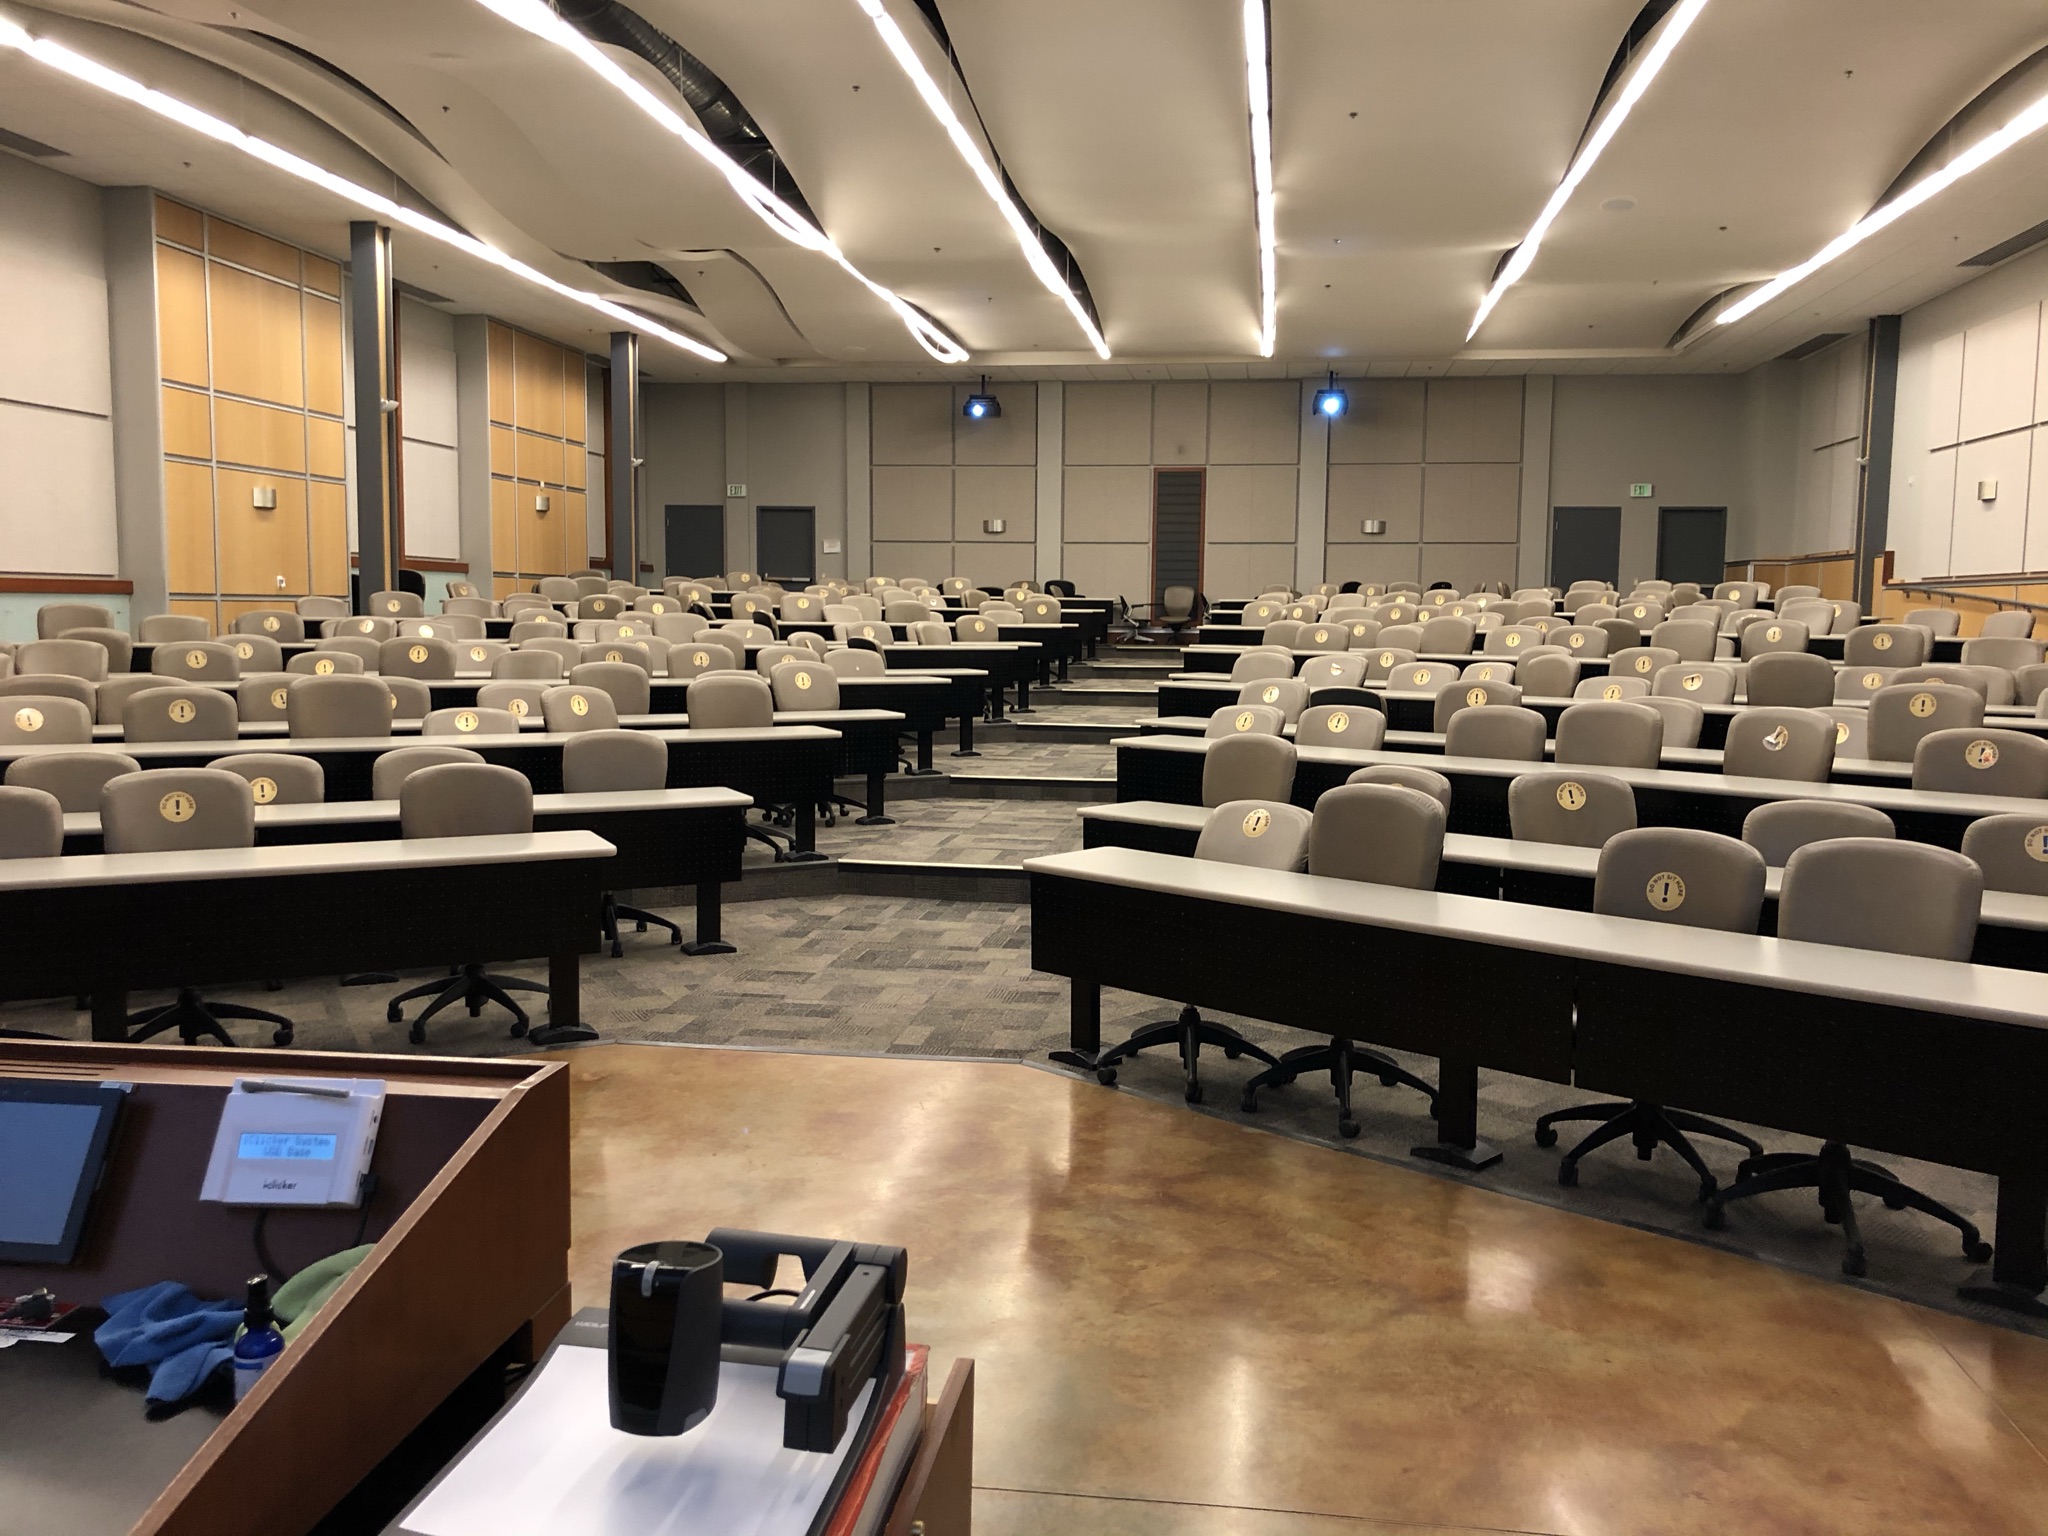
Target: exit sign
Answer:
pixel 734 492
pixel 1641 488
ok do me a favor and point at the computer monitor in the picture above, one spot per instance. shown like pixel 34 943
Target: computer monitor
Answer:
pixel 53 1144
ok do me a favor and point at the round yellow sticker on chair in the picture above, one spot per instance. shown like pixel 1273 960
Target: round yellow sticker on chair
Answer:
pixel 1571 795
pixel 1421 677
pixel 1339 723
pixel 277 698
pixel 803 679
pixel 466 721
pixel 1692 681
pixel 1775 741
pixel 265 790
pixel 1611 691
pixel 323 666
pixel 657 608
pixel 1981 754
pixel 244 649
pixel 366 626
pixel 1841 732
pixel 1510 641
pixel 28 718
pixel 1641 612
pixel 1774 634
pixel 578 705
pixel 1881 641
pixel 1243 722
pixel 416 653
pixel 177 806
pixel 1665 892
pixel 1475 697
pixel 1256 822
pixel 1486 674
pixel 1645 663
pixel 391 605
pixel 1322 635
pixel 517 706
pixel 1386 658
pixel 1921 705
pixel 393 698
pixel 196 660
pixel 478 653
pixel 1873 680
pixel 1272 692
pixel 182 711
pixel 700 658
pixel 2036 844
pixel 270 622
pixel 614 655
pixel 1575 641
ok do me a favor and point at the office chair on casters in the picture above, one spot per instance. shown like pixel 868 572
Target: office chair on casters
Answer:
pixel 1867 893
pixel 742 701
pixel 1383 834
pixel 164 809
pixel 1262 834
pixel 594 762
pixel 460 799
pixel 1179 608
pixel 1683 877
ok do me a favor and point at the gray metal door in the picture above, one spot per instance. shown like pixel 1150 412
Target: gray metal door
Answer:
pixel 1585 545
pixel 785 543
pixel 1692 544
pixel 1176 529
pixel 693 540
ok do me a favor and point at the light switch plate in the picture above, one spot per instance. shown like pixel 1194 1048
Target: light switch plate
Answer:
pixel 1987 490
pixel 832 547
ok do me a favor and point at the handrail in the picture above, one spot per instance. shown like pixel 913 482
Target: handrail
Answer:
pixel 1965 592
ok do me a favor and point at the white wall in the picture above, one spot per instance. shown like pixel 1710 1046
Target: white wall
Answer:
pixel 1972 408
pixel 56 422
pixel 426 374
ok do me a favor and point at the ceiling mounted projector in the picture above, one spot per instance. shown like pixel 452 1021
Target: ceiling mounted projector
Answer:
pixel 982 405
pixel 1330 400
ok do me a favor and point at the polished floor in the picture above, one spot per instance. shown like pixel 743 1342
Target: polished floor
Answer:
pixel 1186 1326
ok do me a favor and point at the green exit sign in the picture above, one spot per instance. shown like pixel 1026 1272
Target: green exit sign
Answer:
pixel 1641 488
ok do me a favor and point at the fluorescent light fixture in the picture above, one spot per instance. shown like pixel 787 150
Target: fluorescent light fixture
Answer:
pixel 536 17
pixel 1259 89
pixel 1675 27
pixel 91 72
pixel 991 183
pixel 2031 120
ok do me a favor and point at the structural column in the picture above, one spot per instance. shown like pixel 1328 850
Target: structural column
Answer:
pixel 373 340
pixel 624 464
pixel 1874 483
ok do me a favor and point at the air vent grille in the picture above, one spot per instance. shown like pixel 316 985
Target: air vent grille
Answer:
pixel 2025 240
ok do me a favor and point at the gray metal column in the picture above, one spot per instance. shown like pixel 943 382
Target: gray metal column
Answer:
pixel 373 340
pixel 624 464
pixel 1874 485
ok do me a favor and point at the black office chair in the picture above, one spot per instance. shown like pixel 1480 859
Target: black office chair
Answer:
pixel 594 762
pixel 1179 608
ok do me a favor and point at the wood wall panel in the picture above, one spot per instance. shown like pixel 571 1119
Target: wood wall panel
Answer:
pixel 198 608
pixel 188 526
pixel 188 424
pixel 322 275
pixel 258 332
pixel 259 436
pixel 576 466
pixel 181 316
pixel 504 526
pixel 326 447
pixel 324 383
pixel 504 452
pixel 536 385
pixel 499 351
pixel 327 525
pixel 257 547
pixel 539 459
pixel 538 406
pixel 575 397
pixel 246 248
pixel 174 221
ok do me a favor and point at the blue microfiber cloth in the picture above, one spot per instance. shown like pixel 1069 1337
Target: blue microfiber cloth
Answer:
pixel 180 1339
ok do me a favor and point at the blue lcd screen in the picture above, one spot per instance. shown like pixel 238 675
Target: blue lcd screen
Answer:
pixel 286 1146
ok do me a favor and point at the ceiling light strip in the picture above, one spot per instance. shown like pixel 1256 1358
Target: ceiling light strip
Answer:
pixel 1259 90
pixel 2030 121
pixel 539 19
pixel 963 142
pixel 91 72
pixel 1675 27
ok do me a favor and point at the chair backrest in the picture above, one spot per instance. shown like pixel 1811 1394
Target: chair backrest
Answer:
pixel 369 626
pixel 1581 810
pixel 396 605
pixel 409 697
pixel 1384 834
pixel 339 705
pixel 521 700
pixel 325 662
pixel 2029 683
pixel 804 685
pixel 208 661
pixel 1901 714
pixel 849 661
pixel 1867 893
pixel 389 773
pixel 75 778
pixel 1612 733
pixel 1510 640
pixel 1357 727
pixel 1423 676
pixel 44 720
pixel 1324 636
pixel 1642 661
pixel 1991 684
pixel 1762 637
pixel 256 653
pixel 1688 639
pixel 1680 875
pixel 1490 669
pixel 1977 761
pixel 277 778
pixel 1936 621
pixel 769 657
pixel 110 696
pixel 417 656
pixel 2009 652
pixel 278 623
pixel 596 762
pixel 564 589
pixel 463 799
pixel 1248 767
pixel 1703 682
pixel 1817 614
pixel 168 808
pixel 2008 623
pixel 1771 743
pixel 730 701
pixel 528 664
pixel 1744 592
pixel 1644 613
pixel 1779 828
pixel 83 659
pixel 1551 675
pixel 1886 645
pixel 1384 661
pixel 162 628
pixel 1289 695
pixel 1261 834
pixel 1287 632
pixel 1786 594
pixel 1682 720
pixel 2012 850
pixel 470 720
pixel 52 619
pixel 1581 640
pixel 1336 671
pixel 1245 720
pixel 1425 780
pixel 1447 636
pixel 578 707
pixel 1469 693
pixel 31 823
pixel 118 644
pixel 180 714
pixel 1792 679
pixel 1861 681
pixel 1496 730
pixel 629 685
pixel 57 685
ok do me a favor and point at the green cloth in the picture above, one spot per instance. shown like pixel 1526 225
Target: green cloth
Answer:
pixel 299 1298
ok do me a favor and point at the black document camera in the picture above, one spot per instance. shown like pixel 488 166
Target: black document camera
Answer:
pixel 670 1326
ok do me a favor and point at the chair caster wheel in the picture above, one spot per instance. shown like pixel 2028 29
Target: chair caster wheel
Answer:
pixel 1192 1093
pixel 1978 1252
pixel 1894 1205
pixel 1106 1076
pixel 417 1034
pixel 1387 1080
pixel 518 1030
pixel 1716 1218
pixel 394 1014
pixel 1546 1136
pixel 1853 1263
pixel 1231 1053
pixel 1568 1175
pixel 618 950
pixel 1348 1129
pixel 281 1037
pixel 1249 1104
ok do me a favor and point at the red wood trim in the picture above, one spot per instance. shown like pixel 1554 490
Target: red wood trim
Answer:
pixel 113 584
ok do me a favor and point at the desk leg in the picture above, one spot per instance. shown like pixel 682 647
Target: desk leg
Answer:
pixel 997 698
pixel 966 748
pixel 1023 706
pixel 110 1013
pixel 1457 1119
pixel 2019 1266
pixel 924 755
pixel 1084 1025
pixel 804 846
pixel 878 809
pixel 565 1024
pixel 1063 667
pixel 710 922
